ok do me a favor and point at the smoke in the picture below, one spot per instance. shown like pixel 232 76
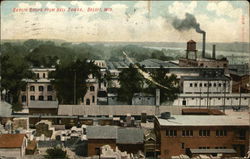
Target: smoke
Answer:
pixel 188 23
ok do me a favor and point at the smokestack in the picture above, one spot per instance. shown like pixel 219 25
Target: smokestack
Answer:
pixel 203 44
pixel 214 54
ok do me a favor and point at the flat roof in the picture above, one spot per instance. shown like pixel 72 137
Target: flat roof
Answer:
pixel 204 120
pixel 209 151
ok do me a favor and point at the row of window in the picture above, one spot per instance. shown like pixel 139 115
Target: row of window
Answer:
pixel 201 132
pixel 40 88
pixel 205 147
pixel 220 98
pixel 207 84
pixel 41 98
pixel 38 76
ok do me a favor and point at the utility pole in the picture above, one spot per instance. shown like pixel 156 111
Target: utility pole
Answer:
pixel 74 86
pixel 224 101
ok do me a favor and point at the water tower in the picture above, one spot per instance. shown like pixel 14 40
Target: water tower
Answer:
pixel 191 48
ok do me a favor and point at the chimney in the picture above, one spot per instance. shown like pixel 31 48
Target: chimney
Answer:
pixel 214 54
pixel 203 44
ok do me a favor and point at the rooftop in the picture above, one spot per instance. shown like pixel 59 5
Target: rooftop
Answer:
pixel 11 140
pixel 43 104
pixel 205 120
pixel 130 136
pixel 101 132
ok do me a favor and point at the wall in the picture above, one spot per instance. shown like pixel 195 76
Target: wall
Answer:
pixel 10 152
pixel 172 146
pixel 97 143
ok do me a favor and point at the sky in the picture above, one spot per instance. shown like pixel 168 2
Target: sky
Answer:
pixel 128 21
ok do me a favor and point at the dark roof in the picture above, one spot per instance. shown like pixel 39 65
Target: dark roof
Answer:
pixel 102 94
pixel 203 151
pixel 43 104
pixel 101 132
pixel 191 41
pixel 130 136
pixel 11 140
pixel 155 63
pixel 223 78
pixel 196 111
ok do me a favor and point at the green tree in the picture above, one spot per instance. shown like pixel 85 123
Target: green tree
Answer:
pixel 56 153
pixel 72 78
pixel 131 81
pixel 13 71
pixel 169 87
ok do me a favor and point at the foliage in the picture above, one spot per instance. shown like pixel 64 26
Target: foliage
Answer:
pixel 73 75
pixel 56 153
pixel 170 82
pixel 131 81
pixel 13 70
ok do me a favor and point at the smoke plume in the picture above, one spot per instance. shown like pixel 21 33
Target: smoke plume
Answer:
pixel 188 23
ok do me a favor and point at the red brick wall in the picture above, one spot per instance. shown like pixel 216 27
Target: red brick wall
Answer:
pixel 172 146
pixel 97 143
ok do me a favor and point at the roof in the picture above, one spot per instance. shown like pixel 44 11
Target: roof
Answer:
pixel 43 104
pixel 205 78
pixel 11 140
pixel 197 111
pixel 102 94
pixel 191 41
pixel 205 120
pixel 101 132
pixel 200 151
pixel 130 136
pixel 5 109
pixel 155 63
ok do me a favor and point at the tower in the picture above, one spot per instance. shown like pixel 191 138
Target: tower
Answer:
pixel 191 47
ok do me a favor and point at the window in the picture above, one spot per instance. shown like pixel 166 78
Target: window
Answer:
pixel 242 134
pixel 245 98
pixel 227 98
pixel 40 98
pixel 105 84
pixel 224 84
pixel 23 98
pixel 236 98
pixel 195 85
pixel 187 132
pixel 44 75
pixel 210 84
pixel 221 133
pixel 49 98
pixel 218 98
pixel 92 88
pixel 191 84
pixel 37 75
pixel 200 84
pixel 182 145
pixel 214 84
pixel 49 88
pixel 219 85
pixel 205 85
pixel 40 88
pixel 171 132
pixel 32 88
pixel 204 147
pixel 93 99
pixel 204 132
pixel 82 99
pixel 87 102
pixel 221 147
pixel 32 97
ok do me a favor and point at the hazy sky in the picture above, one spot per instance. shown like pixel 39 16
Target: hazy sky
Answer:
pixel 223 21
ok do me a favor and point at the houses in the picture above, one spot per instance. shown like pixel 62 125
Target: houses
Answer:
pixel 126 139
pixel 202 134
pixel 13 145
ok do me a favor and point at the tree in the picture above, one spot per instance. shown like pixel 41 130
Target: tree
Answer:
pixel 131 81
pixel 13 71
pixel 56 153
pixel 71 79
pixel 170 88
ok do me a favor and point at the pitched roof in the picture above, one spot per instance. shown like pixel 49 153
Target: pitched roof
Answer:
pixel 11 140
pixel 130 136
pixel 101 132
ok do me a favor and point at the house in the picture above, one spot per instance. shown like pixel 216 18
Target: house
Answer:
pixel 202 134
pixel 99 136
pixel 143 99
pixel 13 145
pixel 130 140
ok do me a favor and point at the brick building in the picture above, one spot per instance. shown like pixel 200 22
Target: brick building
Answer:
pixel 202 134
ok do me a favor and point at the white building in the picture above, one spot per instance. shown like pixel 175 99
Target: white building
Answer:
pixel 39 89
pixel 13 145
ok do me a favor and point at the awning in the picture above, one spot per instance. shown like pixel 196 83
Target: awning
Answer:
pixel 209 151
